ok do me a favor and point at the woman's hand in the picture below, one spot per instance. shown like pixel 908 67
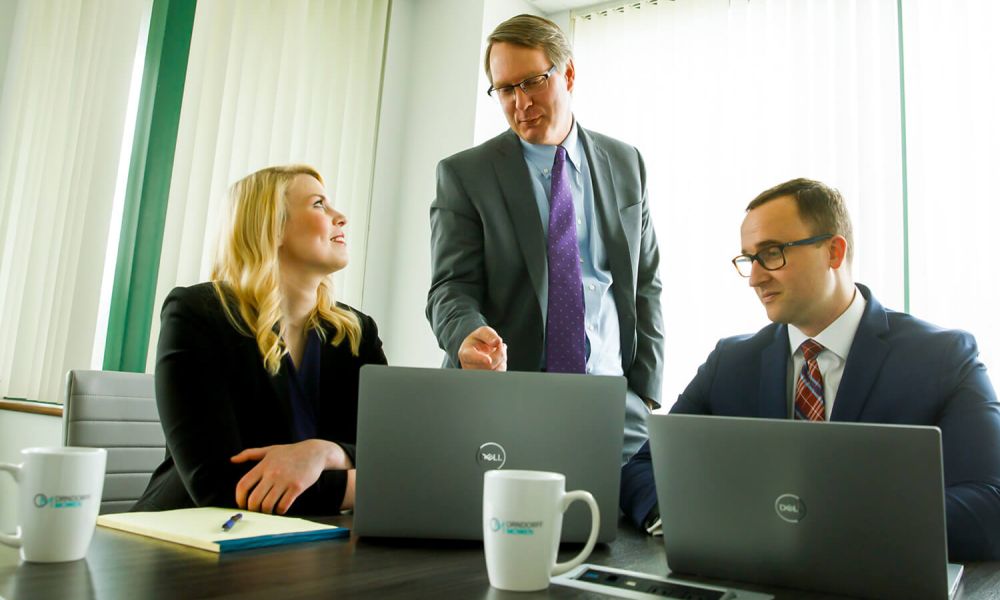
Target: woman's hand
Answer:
pixel 284 472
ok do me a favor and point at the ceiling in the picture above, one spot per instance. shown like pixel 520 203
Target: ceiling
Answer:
pixel 555 6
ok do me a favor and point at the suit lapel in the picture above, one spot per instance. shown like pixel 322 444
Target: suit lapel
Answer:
pixel 279 385
pixel 515 184
pixel 612 233
pixel 247 345
pixel 332 360
pixel 864 362
pixel 772 401
pixel 613 236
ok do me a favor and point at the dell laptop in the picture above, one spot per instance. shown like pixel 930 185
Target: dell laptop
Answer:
pixel 426 436
pixel 845 508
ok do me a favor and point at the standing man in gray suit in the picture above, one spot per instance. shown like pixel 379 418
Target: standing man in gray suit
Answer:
pixel 543 254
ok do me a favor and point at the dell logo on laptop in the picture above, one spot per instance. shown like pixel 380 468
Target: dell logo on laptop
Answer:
pixel 790 508
pixel 491 455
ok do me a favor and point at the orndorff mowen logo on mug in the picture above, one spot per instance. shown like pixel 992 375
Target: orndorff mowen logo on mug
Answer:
pixel 514 527
pixel 44 500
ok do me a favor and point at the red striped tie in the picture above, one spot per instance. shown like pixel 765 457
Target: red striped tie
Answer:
pixel 809 387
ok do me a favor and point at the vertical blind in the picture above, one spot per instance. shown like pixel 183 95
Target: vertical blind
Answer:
pixel 952 65
pixel 726 99
pixel 273 83
pixel 62 120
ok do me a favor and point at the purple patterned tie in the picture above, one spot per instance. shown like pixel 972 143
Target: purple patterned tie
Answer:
pixel 564 336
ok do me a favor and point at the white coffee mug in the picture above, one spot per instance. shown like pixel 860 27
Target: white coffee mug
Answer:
pixel 58 499
pixel 522 521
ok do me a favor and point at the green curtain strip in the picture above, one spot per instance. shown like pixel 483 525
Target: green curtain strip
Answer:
pixel 902 151
pixel 148 186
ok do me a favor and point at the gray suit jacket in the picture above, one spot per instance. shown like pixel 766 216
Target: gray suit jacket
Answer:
pixel 488 254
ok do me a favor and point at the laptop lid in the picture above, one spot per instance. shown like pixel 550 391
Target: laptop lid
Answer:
pixel 426 436
pixel 848 508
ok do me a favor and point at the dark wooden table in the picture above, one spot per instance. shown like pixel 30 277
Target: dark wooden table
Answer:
pixel 121 565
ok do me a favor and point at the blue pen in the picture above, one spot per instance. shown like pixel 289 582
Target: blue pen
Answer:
pixel 232 521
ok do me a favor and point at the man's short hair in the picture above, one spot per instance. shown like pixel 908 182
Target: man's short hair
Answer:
pixel 532 32
pixel 820 206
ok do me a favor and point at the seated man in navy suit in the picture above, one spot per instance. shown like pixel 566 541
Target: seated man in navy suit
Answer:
pixel 832 352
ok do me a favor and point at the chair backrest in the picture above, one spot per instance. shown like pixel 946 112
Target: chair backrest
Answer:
pixel 116 411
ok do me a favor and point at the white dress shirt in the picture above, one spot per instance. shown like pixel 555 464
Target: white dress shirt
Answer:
pixel 836 340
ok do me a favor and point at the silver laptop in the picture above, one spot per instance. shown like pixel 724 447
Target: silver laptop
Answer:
pixel 426 436
pixel 847 508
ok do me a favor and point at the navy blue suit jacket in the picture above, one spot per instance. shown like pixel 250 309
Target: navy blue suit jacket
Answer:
pixel 900 370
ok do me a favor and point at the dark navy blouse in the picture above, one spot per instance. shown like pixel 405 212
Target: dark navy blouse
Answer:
pixel 303 389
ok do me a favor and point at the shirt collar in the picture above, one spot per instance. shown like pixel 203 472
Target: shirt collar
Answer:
pixel 541 156
pixel 839 335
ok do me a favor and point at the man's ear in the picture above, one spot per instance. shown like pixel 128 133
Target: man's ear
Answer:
pixel 838 251
pixel 569 74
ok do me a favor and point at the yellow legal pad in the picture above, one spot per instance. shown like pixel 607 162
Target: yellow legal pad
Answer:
pixel 202 528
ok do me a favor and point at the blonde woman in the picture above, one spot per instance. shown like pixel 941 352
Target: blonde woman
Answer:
pixel 257 370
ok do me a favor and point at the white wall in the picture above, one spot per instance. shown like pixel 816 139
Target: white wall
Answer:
pixel 563 20
pixel 17 431
pixel 427 113
pixel 433 105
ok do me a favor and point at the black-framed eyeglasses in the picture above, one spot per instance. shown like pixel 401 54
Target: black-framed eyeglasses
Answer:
pixel 530 86
pixel 772 258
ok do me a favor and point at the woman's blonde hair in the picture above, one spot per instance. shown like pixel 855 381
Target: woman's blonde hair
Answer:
pixel 246 271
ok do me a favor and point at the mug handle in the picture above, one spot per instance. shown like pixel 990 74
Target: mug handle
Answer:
pixel 595 526
pixel 14 541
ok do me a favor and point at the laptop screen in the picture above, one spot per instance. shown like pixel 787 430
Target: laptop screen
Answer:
pixel 850 508
pixel 426 436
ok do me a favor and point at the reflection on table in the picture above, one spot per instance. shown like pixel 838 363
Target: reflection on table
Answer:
pixel 122 565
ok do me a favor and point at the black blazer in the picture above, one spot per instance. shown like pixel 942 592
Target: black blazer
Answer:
pixel 215 399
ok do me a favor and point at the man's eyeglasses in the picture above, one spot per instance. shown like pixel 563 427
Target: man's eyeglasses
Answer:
pixel 529 86
pixel 772 258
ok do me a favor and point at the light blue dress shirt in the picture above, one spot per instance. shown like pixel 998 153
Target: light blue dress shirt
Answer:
pixel 604 355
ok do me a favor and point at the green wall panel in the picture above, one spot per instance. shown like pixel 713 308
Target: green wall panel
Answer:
pixel 148 187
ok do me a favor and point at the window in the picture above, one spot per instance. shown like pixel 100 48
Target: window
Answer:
pixel 726 99
pixel 63 107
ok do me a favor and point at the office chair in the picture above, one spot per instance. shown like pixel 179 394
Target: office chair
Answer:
pixel 116 411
